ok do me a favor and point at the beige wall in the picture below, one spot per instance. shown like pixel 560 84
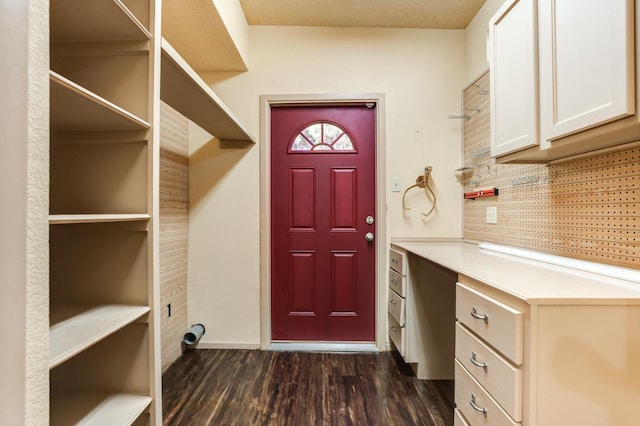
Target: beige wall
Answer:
pixel 24 189
pixel 475 38
pixel 421 73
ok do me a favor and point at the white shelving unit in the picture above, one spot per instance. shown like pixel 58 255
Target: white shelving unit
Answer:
pixel 103 334
pixel 185 91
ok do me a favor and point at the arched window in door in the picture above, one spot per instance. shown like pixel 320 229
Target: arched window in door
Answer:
pixel 322 137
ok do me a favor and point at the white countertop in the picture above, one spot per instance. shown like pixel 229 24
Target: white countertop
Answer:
pixel 535 282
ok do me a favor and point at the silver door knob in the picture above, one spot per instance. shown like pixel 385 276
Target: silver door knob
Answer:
pixel 369 220
pixel 369 236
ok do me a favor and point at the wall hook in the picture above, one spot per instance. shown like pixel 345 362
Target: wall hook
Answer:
pixel 422 182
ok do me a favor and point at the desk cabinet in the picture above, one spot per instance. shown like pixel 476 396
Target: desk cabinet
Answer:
pixel 421 314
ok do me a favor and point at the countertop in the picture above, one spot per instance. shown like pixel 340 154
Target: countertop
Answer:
pixel 533 281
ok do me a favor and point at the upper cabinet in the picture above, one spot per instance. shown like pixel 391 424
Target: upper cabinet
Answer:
pixel 586 64
pixel 586 55
pixel 514 94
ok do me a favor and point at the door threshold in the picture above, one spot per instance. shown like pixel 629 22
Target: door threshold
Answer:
pixel 322 347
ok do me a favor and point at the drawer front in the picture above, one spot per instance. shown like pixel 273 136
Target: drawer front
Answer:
pixel 397 282
pixel 398 261
pixel 458 418
pixel 396 307
pixel 498 324
pixel 501 379
pixel 477 407
pixel 397 335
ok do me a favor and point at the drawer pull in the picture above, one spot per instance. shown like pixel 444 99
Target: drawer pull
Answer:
pixel 476 315
pixel 394 281
pixel 475 362
pixel 394 260
pixel 393 328
pixel 393 302
pixel 472 402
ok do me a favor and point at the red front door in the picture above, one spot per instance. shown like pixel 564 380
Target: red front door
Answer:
pixel 322 193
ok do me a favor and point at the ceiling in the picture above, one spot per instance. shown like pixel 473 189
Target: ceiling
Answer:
pixel 437 14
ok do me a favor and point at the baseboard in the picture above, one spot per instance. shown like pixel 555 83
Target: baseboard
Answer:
pixel 323 347
pixel 227 345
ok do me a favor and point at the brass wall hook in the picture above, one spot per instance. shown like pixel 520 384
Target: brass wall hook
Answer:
pixel 422 181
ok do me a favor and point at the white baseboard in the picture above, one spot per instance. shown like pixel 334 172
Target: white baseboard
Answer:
pixel 227 345
pixel 323 347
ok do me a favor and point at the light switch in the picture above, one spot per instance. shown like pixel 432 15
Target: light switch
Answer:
pixel 492 215
pixel 395 184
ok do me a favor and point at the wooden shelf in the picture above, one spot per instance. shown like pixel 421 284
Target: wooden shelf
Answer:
pixel 97 408
pixel 75 328
pixel 184 90
pixel 75 108
pixel 81 20
pixel 58 219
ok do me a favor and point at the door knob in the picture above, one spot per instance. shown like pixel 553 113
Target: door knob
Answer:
pixel 369 220
pixel 369 236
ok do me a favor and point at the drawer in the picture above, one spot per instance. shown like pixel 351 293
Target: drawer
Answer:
pixel 458 418
pixel 398 261
pixel 397 282
pixel 397 335
pixel 501 379
pixel 472 400
pixel 498 324
pixel 396 307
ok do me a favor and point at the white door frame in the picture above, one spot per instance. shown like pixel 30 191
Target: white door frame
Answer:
pixel 266 101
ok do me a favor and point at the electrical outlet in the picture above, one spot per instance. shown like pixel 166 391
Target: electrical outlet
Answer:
pixel 492 215
pixel 395 184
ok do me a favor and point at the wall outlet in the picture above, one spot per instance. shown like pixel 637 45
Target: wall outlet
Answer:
pixel 492 215
pixel 395 184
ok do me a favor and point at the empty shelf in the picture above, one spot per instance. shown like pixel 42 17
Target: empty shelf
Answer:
pixel 96 408
pixel 74 329
pixel 81 20
pixel 75 108
pixel 56 219
pixel 184 90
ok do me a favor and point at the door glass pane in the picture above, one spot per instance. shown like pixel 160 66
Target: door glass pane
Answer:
pixel 324 137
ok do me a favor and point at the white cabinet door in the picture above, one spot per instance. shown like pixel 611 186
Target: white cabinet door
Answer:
pixel 514 76
pixel 586 64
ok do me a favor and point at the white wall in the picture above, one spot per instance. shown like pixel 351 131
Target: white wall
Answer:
pixel 421 73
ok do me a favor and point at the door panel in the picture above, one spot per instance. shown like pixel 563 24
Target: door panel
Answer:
pixel 322 190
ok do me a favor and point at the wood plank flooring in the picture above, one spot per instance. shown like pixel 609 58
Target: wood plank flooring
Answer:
pixel 251 387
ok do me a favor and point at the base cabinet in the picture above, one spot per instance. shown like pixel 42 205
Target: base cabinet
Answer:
pixel 577 363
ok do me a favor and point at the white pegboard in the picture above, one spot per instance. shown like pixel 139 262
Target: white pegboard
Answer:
pixel 586 208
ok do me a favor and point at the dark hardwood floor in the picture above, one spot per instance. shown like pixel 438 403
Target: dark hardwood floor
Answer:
pixel 244 387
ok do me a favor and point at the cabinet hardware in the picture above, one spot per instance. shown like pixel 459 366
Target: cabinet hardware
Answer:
pixel 472 402
pixel 476 315
pixel 475 362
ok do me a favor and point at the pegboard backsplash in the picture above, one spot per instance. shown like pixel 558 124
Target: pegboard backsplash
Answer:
pixel 587 208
